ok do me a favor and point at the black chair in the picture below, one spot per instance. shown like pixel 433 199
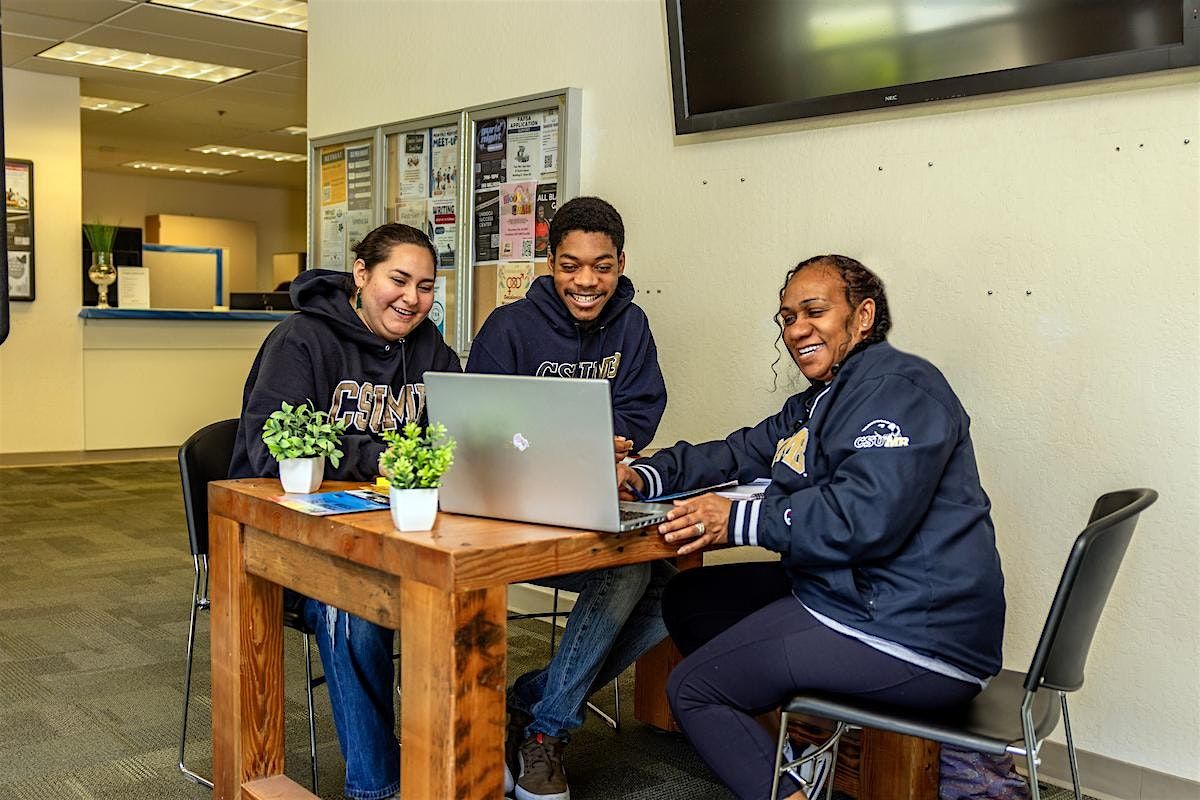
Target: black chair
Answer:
pixel 205 457
pixel 1016 711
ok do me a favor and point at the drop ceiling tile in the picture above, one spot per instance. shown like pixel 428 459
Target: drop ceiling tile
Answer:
pixel 18 48
pixel 176 47
pixel 38 25
pixel 207 27
pixel 268 82
pixel 81 10
pixel 294 69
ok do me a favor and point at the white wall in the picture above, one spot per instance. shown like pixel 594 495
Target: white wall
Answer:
pixel 129 199
pixel 41 364
pixel 1079 368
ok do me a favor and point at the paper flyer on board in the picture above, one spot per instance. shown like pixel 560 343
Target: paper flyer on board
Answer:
pixel 358 225
pixel 333 176
pixel 133 287
pixel 19 274
pixel 442 223
pixel 333 236
pixel 516 220
pixel 487 226
pixel 444 161
pixel 359 184
pixel 437 313
pixel 489 153
pixel 544 208
pixel 549 137
pixel 413 211
pixel 524 149
pixel 513 279
pixel 414 166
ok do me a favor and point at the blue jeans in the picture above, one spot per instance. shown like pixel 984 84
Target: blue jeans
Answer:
pixel 616 618
pixel 357 658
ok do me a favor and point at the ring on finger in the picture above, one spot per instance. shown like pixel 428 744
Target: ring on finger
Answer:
pixel 699 528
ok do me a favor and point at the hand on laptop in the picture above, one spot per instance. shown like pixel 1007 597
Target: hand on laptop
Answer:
pixel 621 447
pixel 629 484
pixel 697 522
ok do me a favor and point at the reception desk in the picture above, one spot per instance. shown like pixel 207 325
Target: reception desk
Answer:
pixel 152 377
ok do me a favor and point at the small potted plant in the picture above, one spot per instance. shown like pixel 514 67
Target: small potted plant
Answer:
pixel 301 438
pixel 414 463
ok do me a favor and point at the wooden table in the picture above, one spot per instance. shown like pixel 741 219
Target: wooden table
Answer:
pixel 444 589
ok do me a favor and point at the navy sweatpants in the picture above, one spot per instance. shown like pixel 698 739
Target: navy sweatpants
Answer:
pixel 752 646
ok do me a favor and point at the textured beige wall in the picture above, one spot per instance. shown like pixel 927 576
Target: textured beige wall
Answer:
pixel 1079 367
pixel 41 403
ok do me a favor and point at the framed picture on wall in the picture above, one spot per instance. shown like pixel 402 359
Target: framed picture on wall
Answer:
pixel 18 201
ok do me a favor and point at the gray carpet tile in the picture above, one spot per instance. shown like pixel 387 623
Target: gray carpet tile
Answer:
pixel 95 584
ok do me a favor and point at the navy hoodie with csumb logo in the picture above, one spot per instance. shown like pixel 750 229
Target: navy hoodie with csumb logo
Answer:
pixel 325 354
pixel 538 336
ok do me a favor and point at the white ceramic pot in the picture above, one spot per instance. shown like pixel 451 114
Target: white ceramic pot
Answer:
pixel 301 475
pixel 413 509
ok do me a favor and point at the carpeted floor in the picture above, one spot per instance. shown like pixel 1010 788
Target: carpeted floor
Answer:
pixel 95 586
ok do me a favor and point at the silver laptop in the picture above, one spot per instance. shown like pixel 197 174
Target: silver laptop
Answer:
pixel 534 450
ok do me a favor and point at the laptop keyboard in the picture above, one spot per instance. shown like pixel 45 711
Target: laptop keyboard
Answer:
pixel 629 516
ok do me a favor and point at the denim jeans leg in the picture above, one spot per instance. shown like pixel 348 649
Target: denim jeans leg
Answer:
pixel 357 658
pixel 642 631
pixel 556 695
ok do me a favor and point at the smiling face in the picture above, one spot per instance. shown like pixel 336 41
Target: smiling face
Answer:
pixel 397 293
pixel 819 326
pixel 586 267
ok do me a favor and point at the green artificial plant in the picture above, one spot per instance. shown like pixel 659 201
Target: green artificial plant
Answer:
pixel 415 459
pixel 100 237
pixel 303 432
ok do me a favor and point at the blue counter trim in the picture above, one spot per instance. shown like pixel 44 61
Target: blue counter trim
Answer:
pixel 179 248
pixel 181 313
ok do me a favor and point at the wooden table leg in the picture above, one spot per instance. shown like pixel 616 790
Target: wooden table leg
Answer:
pixel 452 667
pixel 896 767
pixel 652 670
pixel 247 666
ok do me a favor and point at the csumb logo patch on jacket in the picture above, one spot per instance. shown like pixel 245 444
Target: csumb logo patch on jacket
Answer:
pixel 880 433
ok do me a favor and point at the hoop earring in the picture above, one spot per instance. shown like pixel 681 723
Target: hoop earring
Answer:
pixel 358 299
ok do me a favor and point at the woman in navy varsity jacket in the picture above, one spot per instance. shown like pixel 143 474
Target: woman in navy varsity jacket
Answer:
pixel 889 584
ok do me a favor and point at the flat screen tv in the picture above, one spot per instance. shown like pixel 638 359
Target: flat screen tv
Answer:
pixel 744 62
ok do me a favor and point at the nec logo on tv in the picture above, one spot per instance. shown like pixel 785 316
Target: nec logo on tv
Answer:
pixel 891 98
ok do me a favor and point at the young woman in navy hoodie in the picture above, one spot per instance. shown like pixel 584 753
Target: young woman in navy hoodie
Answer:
pixel 889 583
pixel 358 348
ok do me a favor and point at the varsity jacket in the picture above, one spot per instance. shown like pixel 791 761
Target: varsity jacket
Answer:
pixel 325 354
pixel 538 336
pixel 875 505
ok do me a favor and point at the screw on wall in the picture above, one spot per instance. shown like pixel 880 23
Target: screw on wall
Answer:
pixel 881 169
pixel 1117 148
pixel 1028 292
pixel 990 292
pixel 704 183
pixel 1187 141
pixel 742 180
pixel 930 164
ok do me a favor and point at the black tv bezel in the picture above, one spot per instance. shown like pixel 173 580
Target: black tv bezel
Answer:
pixel 1089 68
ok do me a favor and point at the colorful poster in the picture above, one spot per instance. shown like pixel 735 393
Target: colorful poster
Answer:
pixel 444 161
pixel 20 274
pixel 333 175
pixel 546 205
pixel 414 167
pixel 513 279
pixel 442 223
pixel 358 178
pixel 487 226
pixel 524 148
pixel 550 146
pixel 516 221
pixel 489 153
pixel 16 182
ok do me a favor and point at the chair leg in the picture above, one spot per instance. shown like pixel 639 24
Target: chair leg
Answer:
pixel 1031 749
pixel 1062 696
pixel 783 726
pixel 554 624
pixel 197 604
pixel 312 720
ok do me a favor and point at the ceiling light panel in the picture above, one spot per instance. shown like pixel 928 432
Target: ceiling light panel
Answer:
pixel 290 14
pixel 246 152
pixel 191 169
pixel 142 62
pixel 105 104
pixel 293 130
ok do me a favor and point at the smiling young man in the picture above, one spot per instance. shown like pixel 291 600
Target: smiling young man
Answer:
pixel 580 322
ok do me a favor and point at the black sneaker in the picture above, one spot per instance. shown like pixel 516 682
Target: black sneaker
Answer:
pixel 540 775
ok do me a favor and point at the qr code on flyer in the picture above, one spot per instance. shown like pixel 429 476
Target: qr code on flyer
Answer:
pixel 527 248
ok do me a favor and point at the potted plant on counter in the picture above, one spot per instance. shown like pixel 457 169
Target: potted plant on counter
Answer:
pixel 300 438
pixel 414 463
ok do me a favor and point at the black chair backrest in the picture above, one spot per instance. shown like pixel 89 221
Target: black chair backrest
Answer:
pixel 1061 654
pixel 204 457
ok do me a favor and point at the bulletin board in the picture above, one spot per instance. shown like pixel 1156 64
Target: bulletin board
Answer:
pixel 18 202
pixel 482 182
